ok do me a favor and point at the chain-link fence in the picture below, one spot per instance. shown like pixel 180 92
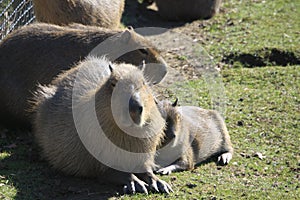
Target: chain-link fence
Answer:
pixel 14 13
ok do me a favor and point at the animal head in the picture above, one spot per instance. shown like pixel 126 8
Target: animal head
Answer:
pixel 172 116
pixel 143 51
pixel 129 47
pixel 132 101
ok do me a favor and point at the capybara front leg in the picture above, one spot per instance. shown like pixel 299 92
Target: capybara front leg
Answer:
pixel 224 158
pixel 171 168
pixel 131 183
pixel 154 183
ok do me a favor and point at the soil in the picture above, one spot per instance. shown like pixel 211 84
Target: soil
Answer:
pixel 180 45
pixel 263 57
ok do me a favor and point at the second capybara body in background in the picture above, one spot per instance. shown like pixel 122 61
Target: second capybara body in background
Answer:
pixel 37 53
pixel 193 135
pixel 79 133
pixel 188 10
pixel 103 13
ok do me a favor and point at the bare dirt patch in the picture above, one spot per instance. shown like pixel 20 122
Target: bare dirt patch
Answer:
pixel 263 57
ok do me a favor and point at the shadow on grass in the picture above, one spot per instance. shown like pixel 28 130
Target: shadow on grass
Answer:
pixel 34 179
pixel 263 57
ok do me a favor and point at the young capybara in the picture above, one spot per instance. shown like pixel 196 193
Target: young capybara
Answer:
pixel 38 52
pixel 188 10
pixel 100 120
pixel 193 135
pixel 103 13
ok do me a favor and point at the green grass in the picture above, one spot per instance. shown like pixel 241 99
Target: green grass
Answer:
pixel 263 114
pixel 254 25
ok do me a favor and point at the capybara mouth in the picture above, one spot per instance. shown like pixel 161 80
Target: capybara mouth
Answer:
pixel 136 118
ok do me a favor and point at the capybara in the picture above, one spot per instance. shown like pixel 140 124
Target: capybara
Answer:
pixel 99 119
pixel 188 10
pixel 103 13
pixel 193 135
pixel 38 52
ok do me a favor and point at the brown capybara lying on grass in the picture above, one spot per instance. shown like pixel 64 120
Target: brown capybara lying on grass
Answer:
pixel 100 120
pixel 38 52
pixel 103 13
pixel 193 135
pixel 188 10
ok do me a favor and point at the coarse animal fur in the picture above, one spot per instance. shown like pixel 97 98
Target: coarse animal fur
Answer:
pixel 71 142
pixel 103 13
pixel 193 135
pixel 188 10
pixel 38 52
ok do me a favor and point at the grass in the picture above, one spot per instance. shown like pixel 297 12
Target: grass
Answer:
pixel 262 117
pixel 263 114
pixel 254 25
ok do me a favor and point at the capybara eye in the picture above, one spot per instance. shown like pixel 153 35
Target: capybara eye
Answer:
pixel 113 82
pixel 143 51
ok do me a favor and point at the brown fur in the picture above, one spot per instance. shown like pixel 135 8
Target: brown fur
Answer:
pixel 57 135
pixel 103 13
pixel 196 134
pixel 188 9
pixel 38 52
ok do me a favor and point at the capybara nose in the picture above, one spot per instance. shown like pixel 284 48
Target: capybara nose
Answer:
pixel 135 110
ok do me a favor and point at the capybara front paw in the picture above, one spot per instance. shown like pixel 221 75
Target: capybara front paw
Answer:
pixel 224 158
pixel 158 185
pixel 166 170
pixel 135 186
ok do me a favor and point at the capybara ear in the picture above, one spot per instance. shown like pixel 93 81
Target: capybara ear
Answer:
pixel 113 77
pixel 126 36
pixel 175 103
pixel 110 68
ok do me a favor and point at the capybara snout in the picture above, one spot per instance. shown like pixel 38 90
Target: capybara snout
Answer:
pixel 135 108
